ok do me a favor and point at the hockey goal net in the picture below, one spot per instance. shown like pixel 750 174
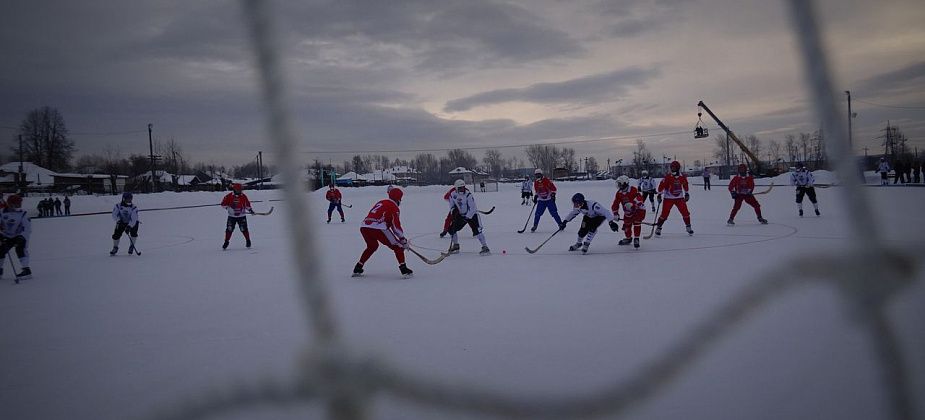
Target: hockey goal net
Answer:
pixel 486 185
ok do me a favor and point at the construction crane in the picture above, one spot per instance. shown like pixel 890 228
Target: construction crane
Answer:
pixel 756 163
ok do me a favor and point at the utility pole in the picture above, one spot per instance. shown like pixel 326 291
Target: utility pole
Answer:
pixel 151 147
pixel 848 92
pixel 260 168
pixel 21 178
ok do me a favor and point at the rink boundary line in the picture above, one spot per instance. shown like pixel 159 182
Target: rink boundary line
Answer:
pixel 193 206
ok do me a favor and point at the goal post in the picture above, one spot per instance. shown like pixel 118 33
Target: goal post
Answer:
pixel 485 185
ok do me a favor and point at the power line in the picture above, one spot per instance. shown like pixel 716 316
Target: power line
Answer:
pixel 920 108
pixel 88 133
pixel 501 146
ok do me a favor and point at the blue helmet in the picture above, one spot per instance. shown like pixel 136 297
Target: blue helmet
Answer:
pixel 578 199
pixel 126 196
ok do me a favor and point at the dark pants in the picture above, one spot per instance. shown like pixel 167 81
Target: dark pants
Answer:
pixel 525 197
pixel 460 222
pixel 67 210
pixel 450 217
pixel 650 195
pixel 19 244
pixel 242 225
pixel 808 191
pixel 541 207
pixel 706 183
pixel 123 227
pixel 337 206
pixel 590 224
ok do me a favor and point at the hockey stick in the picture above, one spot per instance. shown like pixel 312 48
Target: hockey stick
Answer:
pixel 266 213
pixel 349 206
pixel 765 191
pixel 528 218
pixel 489 211
pixel 652 232
pixel 12 266
pixel 544 242
pixel 425 259
pixel 132 246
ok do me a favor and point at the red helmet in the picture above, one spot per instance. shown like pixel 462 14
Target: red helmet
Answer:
pixel 675 166
pixel 236 186
pixel 743 168
pixel 14 201
pixel 395 194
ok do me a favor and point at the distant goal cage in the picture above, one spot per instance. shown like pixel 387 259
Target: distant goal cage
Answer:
pixel 485 185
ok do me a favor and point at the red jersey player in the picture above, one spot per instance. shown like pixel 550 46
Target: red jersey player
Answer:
pixel 334 197
pixel 634 211
pixel 237 205
pixel 741 188
pixel 382 225
pixel 674 190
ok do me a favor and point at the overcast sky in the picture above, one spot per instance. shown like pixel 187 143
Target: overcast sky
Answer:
pixel 410 75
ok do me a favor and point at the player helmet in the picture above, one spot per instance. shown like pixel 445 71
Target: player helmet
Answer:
pixel 645 172
pixel 623 181
pixel 14 201
pixel 743 169
pixel 459 184
pixel 395 194
pixel 127 197
pixel 236 187
pixel 675 166
pixel 538 171
pixel 578 199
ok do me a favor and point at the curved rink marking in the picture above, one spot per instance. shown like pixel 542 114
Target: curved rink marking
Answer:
pixel 596 247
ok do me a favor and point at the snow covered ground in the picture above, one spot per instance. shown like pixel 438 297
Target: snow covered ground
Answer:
pixel 100 337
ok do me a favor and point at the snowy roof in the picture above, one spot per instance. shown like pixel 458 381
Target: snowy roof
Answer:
pixel 402 170
pixel 94 176
pixel 35 174
pixel 379 176
pixel 353 176
pixel 460 170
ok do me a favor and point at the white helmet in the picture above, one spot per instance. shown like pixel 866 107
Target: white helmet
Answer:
pixel 459 183
pixel 645 172
pixel 538 171
pixel 623 181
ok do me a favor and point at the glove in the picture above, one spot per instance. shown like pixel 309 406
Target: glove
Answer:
pixel 659 198
pixel 614 226
pixel 733 194
pixel 534 199
pixel 404 243
pixel 553 196
pixel 686 197
pixel 251 211
pixel 562 225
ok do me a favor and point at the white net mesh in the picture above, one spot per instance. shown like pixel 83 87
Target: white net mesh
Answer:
pixel 344 381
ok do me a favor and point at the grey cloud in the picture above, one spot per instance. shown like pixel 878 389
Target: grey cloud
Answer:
pixel 604 87
pixel 907 77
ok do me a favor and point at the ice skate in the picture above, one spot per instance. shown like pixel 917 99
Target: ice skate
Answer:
pixel 636 243
pixel 624 241
pixel 690 231
pixel 405 271
pixel 762 221
pixel 575 247
pixel 485 251
pixel 730 223
pixel 584 247
pixel 454 249
pixel 357 270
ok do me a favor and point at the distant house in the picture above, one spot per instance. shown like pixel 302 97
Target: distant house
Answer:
pixel 90 183
pixel 36 177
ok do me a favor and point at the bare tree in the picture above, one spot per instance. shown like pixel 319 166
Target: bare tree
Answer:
pixel 543 157
pixel 494 162
pixel 567 159
pixel 792 149
pixel 461 158
pixel 774 150
pixel 754 144
pixel 428 166
pixel 804 144
pixel 592 165
pixel 642 157
pixel 45 141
